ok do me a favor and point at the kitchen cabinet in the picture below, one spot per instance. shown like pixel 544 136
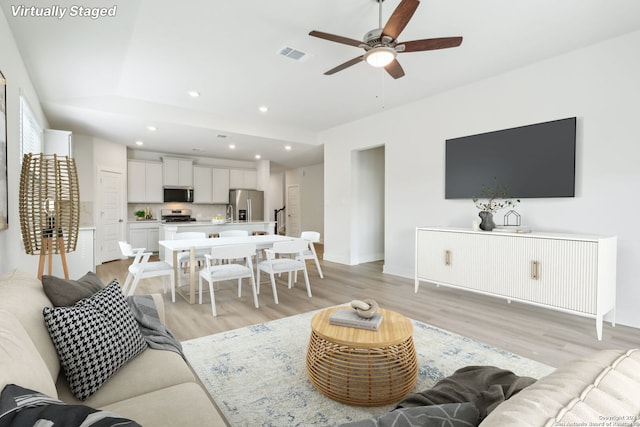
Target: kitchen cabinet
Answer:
pixel 83 259
pixel 177 172
pixel 202 184
pixel 144 182
pixel 220 188
pixel 144 234
pixel 243 179
pixel 210 185
pixel 566 272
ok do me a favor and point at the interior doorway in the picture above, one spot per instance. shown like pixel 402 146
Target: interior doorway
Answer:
pixel 368 238
pixel 293 210
pixel 109 225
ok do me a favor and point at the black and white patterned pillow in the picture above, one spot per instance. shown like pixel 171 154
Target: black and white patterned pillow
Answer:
pixel 94 338
pixel 23 407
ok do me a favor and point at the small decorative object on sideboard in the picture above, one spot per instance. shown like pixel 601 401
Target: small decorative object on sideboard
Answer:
pixel 513 224
pixel 512 218
pixel 487 223
pixel 497 197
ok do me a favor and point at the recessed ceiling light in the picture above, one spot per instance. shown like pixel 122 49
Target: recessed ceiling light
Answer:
pixel 139 143
pixel 287 147
pixel 263 109
pixel 258 156
pixel 152 128
pixel 194 93
pixel 232 146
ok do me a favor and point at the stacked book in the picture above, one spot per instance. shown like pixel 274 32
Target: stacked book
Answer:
pixel 513 228
pixel 350 318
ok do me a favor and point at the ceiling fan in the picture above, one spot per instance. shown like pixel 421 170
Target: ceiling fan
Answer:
pixel 381 44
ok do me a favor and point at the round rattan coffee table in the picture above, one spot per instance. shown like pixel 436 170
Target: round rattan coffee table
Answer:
pixel 359 366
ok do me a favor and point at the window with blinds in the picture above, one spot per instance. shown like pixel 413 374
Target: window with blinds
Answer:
pixel 30 130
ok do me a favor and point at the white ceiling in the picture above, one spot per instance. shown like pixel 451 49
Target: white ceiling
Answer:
pixel 112 77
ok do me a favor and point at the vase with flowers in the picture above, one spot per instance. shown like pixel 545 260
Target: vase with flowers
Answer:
pixel 494 198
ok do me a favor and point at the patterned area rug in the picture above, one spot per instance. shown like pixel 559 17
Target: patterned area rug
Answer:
pixel 257 374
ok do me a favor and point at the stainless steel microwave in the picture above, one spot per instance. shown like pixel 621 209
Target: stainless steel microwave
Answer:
pixel 178 194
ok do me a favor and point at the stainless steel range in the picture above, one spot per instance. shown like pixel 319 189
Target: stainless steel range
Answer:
pixel 176 215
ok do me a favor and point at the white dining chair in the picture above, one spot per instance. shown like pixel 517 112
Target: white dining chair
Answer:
pixel 185 257
pixel 234 233
pixel 214 272
pixel 310 253
pixel 282 258
pixel 142 268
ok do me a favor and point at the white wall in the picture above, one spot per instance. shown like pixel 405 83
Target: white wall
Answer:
pixel 368 205
pixel 18 82
pixel 598 84
pixel 83 153
pixel 276 192
pixel 310 180
pixel 263 172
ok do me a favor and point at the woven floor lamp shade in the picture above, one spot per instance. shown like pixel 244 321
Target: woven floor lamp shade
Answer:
pixel 49 205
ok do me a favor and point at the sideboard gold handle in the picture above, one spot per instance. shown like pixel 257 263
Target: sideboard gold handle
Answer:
pixel 447 257
pixel 535 270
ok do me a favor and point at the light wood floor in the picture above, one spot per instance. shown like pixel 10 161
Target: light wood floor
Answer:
pixel 540 334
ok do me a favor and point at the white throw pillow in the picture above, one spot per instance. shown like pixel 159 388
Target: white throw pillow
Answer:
pixel 20 362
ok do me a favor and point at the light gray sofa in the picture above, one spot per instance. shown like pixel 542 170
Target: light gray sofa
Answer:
pixel 601 389
pixel 156 388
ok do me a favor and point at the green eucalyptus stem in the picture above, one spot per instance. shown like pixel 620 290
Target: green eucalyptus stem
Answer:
pixel 497 198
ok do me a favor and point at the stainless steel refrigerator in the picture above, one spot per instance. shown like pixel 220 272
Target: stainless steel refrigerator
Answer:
pixel 247 205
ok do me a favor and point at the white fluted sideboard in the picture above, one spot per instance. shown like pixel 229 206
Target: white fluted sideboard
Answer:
pixel 566 272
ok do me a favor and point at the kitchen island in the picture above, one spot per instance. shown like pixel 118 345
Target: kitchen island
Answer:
pixel 169 229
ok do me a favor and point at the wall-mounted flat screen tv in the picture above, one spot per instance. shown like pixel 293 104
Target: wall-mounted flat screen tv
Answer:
pixel 537 160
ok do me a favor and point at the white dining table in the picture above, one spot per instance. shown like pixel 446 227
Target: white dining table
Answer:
pixel 175 246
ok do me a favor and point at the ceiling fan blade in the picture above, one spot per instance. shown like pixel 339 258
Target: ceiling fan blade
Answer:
pixel 431 44
pixel 394 69
pixel 400 18
pixel 334 38
pixel 347 64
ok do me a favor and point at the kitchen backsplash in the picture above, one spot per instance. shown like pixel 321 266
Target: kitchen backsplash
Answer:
pixel 198 211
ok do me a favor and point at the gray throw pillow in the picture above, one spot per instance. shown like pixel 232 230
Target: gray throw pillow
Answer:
pixel 448 414
pixel 64 292
pixel 94 338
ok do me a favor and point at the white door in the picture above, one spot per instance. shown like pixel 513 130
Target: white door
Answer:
pixel 293 211
pixel 110 222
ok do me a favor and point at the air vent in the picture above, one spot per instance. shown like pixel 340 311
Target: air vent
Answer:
pixel 293 53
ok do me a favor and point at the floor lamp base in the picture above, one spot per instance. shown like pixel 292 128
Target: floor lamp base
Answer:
pixel 46 253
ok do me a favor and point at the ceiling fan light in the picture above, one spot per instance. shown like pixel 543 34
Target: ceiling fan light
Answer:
pixel 380 56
